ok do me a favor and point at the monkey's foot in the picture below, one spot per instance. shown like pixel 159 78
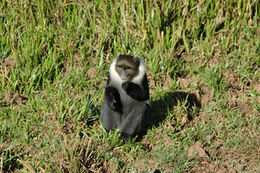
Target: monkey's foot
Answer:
pixel 124 137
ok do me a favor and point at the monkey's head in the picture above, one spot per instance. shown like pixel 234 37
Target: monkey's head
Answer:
pixel 127 67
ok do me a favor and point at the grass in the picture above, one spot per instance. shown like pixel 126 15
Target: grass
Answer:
pixel 202 60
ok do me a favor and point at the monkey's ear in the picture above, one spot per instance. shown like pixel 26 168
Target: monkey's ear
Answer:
pixel 137 57
pixel 138 60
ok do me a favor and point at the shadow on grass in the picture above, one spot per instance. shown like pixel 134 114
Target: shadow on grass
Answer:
pixel 160 107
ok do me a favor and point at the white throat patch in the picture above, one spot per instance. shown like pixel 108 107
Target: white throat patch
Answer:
pixel 114 76
pixel 139 78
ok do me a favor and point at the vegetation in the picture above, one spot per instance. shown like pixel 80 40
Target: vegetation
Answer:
pixel 202 58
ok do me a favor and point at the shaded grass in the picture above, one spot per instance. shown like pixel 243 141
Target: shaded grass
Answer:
pixel 49 100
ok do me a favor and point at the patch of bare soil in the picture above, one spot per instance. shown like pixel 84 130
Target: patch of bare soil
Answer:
pixel 233 79
pixel 197 150
pixel 203 117
pixel 206 167
pixel 207 96
pixel 207 159
pixel 203 94
pixel 92 72
pixel 257 89
pixel 166 83
pixel 144 165
pixel 235 101
pixel 185 82
pixel 219 158
pixel 13 99
pixel 75 63
pixel 9 62
pixel 110 166
pixel 6 64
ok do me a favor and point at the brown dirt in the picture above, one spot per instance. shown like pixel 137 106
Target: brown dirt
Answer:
pixel 197 150
pixel 75 63
pixel 92 73
pixel 204 117
pixel 110 166
pixel 185 82
pixel 257 89
pixel 219 158
pixel 15 99
pixel 207 159
pixel 152 82
pixel 9 62
pixel 207 96
pixel 5 66
pixel 235 100
pixel 206 167
pixel 142 164
pixel 245 108
pixel 167 140
pixel 232 78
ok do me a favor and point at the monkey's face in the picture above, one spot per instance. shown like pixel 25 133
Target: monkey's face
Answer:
pixel 126 73
pixel 127 67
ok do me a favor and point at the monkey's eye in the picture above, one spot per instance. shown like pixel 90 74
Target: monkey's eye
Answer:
pixel 123 68
pixel 119 68
pixel 129 70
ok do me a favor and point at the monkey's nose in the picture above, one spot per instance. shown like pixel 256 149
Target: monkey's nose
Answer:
pixel 124 78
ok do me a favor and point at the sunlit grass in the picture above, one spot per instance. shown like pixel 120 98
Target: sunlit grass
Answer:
pixel 54 62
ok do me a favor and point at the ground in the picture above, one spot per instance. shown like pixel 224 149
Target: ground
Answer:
pixel 202 60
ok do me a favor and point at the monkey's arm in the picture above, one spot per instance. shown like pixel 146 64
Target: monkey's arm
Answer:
pixel 135 91
pixel 112 98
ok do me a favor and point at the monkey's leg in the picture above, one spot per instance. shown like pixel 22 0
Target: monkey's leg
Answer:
pixel 109 118
pixel 133 123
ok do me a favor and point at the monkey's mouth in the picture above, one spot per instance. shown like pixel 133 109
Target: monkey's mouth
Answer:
pixel 124 79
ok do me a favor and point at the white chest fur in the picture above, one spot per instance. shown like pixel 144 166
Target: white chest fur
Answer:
pixel 116 81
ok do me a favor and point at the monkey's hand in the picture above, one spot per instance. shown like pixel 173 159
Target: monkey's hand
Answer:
pixel 113 99
pixel 135 91
pixel 125 85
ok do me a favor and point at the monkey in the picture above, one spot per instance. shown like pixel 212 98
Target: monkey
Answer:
pixel 126 101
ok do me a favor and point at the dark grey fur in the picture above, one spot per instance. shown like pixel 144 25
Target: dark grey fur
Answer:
pixel 126 103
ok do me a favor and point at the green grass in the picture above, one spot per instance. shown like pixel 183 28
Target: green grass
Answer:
pixel 202 59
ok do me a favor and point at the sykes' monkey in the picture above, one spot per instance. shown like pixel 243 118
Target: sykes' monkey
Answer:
pixel 126 101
